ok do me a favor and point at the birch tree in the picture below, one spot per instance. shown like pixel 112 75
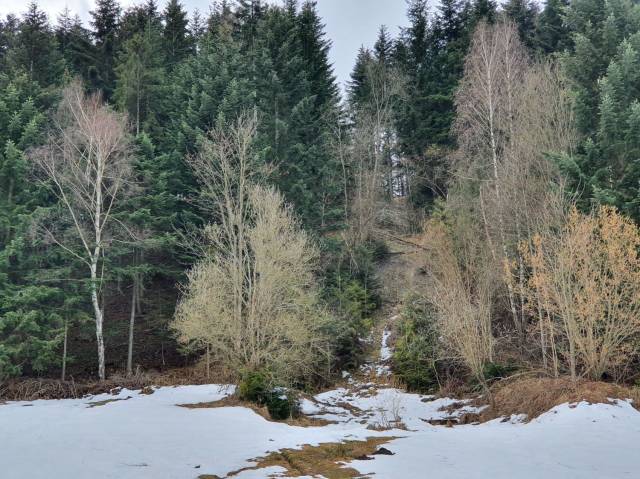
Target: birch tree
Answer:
pixel 512 112
pixel 86 163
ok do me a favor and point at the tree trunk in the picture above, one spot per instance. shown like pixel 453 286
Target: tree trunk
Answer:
pixel 132 321
pixel 99 319
pixel 64 351
pixel 208 361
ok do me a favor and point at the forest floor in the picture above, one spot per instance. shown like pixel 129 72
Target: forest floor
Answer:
pixel 365 428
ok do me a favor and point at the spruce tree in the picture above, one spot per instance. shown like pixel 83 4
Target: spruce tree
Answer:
pixel 105 23
pixel 177 42
pixel 552 34
pixel 75 45
pixel 140 77
pixel 524 13
pixel 35 49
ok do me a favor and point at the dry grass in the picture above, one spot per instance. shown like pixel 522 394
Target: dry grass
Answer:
pixel 29 389
pixel 535 396
pixel 233 401
pixel 326 460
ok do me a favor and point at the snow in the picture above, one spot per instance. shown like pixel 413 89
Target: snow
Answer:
pixel 130 435
pixel 588 441
pixel 143 436
pixel 385 349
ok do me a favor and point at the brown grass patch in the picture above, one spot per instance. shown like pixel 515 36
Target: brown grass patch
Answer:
pixel 535 396
pixel 29 389
pixel 324 459
pixel 233 401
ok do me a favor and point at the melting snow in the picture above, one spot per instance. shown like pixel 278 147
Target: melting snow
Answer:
pixel 140 436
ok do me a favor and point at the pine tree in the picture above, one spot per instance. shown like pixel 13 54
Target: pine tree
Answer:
pixel 74 43
pixel 483 10
pixel 196 28
pixel 358 88
pixel 603 67
pixel 383 47
pixel 139 77
pixel 30 305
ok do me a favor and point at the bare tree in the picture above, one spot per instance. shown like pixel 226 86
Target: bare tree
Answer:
pixel 371 156
pixel 461 287
pixel 251 297
pixel 512 112
pixel 86 163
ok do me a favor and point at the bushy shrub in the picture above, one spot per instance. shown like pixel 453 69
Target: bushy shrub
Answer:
pixel 254 386
pixel 257 387
pixel 282 404
pixel 414 359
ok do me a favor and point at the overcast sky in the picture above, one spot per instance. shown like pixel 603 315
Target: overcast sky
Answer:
pixel 349 23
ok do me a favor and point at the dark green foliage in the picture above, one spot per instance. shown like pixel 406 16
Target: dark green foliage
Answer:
pixel 75 45
pixel 524 13
pixel 495 371
pixel 414 358
pixel 552 33
pixel 351 290
pixel 177 41
pixel 431 56
pixel 35 49
pixel 105 22
pixel 603 67
pixel 255 386
pixel 283 404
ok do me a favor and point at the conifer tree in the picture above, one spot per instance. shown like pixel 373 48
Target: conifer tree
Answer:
pixel 105 23
pixel 139 77
pixel 35 49
pixel 176 39
pixel 524 14
pixel 75 45
pixel 552 34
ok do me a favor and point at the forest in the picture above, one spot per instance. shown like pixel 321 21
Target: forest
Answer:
pixel 193 197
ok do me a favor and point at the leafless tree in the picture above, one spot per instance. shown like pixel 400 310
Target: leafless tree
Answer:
pixel 461 286
pixel 86 163
pixel 372 152
pixel 512 112
pixel 250 298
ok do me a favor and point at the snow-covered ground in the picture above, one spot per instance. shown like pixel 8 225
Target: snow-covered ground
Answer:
pixel 151 436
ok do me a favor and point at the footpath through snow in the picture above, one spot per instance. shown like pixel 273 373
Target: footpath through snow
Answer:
pixel 135 435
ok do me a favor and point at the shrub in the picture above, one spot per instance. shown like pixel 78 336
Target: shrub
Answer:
pixel 414 357
pixel 254 386
pixel 351 291
pixel 282 404
pixel 586 281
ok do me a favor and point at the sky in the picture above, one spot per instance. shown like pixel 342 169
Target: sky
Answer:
pixel 349 23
